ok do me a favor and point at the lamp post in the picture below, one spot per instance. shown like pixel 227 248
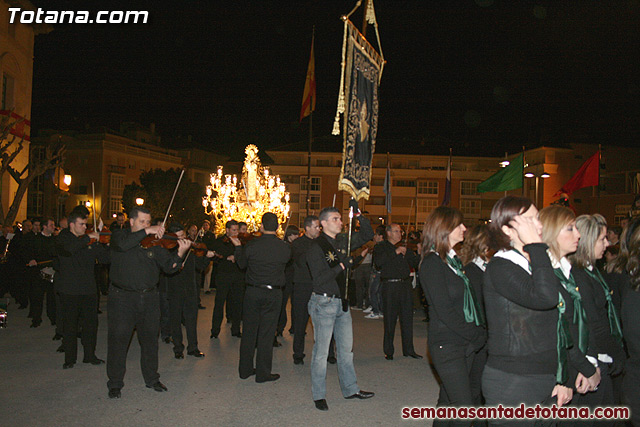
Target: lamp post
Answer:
pixel 537 176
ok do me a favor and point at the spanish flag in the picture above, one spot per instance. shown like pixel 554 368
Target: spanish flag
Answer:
pixel 309 96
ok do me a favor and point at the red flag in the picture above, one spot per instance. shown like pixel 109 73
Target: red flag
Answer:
pixel 587 176
pixel 309 96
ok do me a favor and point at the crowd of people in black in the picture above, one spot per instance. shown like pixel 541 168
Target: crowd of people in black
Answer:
pixel 534 307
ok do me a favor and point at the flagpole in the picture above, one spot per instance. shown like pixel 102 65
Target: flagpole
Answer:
pixel 312 94
pixel 523 165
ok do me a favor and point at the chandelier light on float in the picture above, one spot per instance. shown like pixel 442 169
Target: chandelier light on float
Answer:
pixel 246 200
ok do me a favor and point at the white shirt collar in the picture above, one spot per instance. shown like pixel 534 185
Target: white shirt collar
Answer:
pixel 516 258
pixel 482 264
pixel 564 265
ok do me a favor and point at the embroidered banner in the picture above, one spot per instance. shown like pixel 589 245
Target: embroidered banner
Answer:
pixel 361 81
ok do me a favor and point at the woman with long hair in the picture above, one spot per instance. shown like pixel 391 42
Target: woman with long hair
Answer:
pixel 605 334
pixel 560 233
pixel 456 330
pixel 625 270
pixel 525 364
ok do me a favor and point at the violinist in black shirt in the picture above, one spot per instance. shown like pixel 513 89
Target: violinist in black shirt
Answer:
pixel 133 297
pixel 76 285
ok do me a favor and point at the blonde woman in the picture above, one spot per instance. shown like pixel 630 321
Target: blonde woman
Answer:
pixel 457 326
pixel 605 333
pixel 521 300
pixel 560 233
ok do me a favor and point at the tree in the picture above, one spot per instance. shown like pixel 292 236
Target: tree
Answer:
pixel 156 188
pixel 10 147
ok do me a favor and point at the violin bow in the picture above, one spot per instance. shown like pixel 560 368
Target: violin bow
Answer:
pixel 93 194
pixel 166 216
pixel 406 240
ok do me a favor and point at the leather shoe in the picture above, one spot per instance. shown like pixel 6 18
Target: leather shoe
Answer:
pixel 195 353
pixel 68 365
pixel 179 355
pixel 332 360
pixel 251 374
pixel 159 387
pixel 238 335
pixel 57 337
pixel 298 361
pixel 276 343
pixel 414 355
pixel 272 377
pixel 94 361
pixel 388 357
pixel 60 349
pixel 201 307
pixel 321 404
pixel 114 393
pixel 35 324
pixel 361 395
pixel 214 335
pixel 167 340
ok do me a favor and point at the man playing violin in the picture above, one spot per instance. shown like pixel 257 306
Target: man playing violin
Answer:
pixel 183 293
pixel 133 297
pixel 229 282
pixel 75 280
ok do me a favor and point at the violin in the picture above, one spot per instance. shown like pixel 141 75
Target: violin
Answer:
pixel 168 241
pixel 105 236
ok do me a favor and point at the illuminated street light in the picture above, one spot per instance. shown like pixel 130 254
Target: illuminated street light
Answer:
pixel 139 201
pixel 67 180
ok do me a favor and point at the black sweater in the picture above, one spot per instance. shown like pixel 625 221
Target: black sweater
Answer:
pixel 77 261
pixel 445 295
pixel 521 314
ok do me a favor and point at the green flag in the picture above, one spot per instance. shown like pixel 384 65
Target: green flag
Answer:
pixel 508 178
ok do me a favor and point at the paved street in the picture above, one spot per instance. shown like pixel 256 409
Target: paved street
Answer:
pixel 35 390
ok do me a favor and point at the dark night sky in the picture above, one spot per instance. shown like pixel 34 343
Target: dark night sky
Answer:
pixel 483 76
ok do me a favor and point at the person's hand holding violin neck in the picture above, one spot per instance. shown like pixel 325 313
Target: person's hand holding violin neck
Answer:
pixel 183 245
pixel 158 230
pixel 236 241
pixel 94 235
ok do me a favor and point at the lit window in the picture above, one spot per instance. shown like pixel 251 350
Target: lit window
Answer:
pixel 428 187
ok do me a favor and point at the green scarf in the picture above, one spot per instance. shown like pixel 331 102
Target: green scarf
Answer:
pixel 472 312
pixel 614 323
pixel 564 342
pixel 579 315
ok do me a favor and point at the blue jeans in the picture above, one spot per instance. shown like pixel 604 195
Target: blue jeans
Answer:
pixel 374 292
pixel 328 318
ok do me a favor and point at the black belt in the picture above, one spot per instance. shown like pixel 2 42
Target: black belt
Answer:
pixel 265 286
pixel 326 295
pixel 139 291
pixel 396 280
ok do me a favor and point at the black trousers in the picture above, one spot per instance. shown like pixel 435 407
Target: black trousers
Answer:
pixel 300 315
pixel 231 288
pixel 282 320
pixel 19 282
pixel 126 311
pixel 79 309
pixel 183 306
pixel 165 323
pixel 37 291
pixel 397 300
pixel 453 363
pixel 60 311
pixel 260 318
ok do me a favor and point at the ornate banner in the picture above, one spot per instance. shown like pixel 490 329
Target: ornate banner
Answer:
pixel 362 71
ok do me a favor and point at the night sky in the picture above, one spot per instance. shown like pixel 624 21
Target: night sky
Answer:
pixel 482 77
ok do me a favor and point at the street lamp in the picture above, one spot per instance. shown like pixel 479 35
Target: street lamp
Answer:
pixel 139 201
pixel 543 175
pixel 67 180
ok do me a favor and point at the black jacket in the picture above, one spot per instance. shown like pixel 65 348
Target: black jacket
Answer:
pixel 392 265
pixel 76 263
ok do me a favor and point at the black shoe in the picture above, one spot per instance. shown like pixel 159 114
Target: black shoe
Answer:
pixel 22 307
pixel 291 331
pixel 94 361
pixel 238 335
pixel 99 311
pixel 279 334
pixel 276 343
pixel 298 361
pixel 388 357
pixel 321 404
pixel 179 355
pixel 201 307
pixel 53 323
pixel 195 353
pixel 36 324
pixel 414 355
pixel 159 387
pixel 167 340
pixel 214 335
pixel 332 360
pixel 251 374
pixel 68 365
pixel 60 349
pixel 361 395
pixel 207 292
pixel 272 377
pixel 57 337
pixel 114 393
